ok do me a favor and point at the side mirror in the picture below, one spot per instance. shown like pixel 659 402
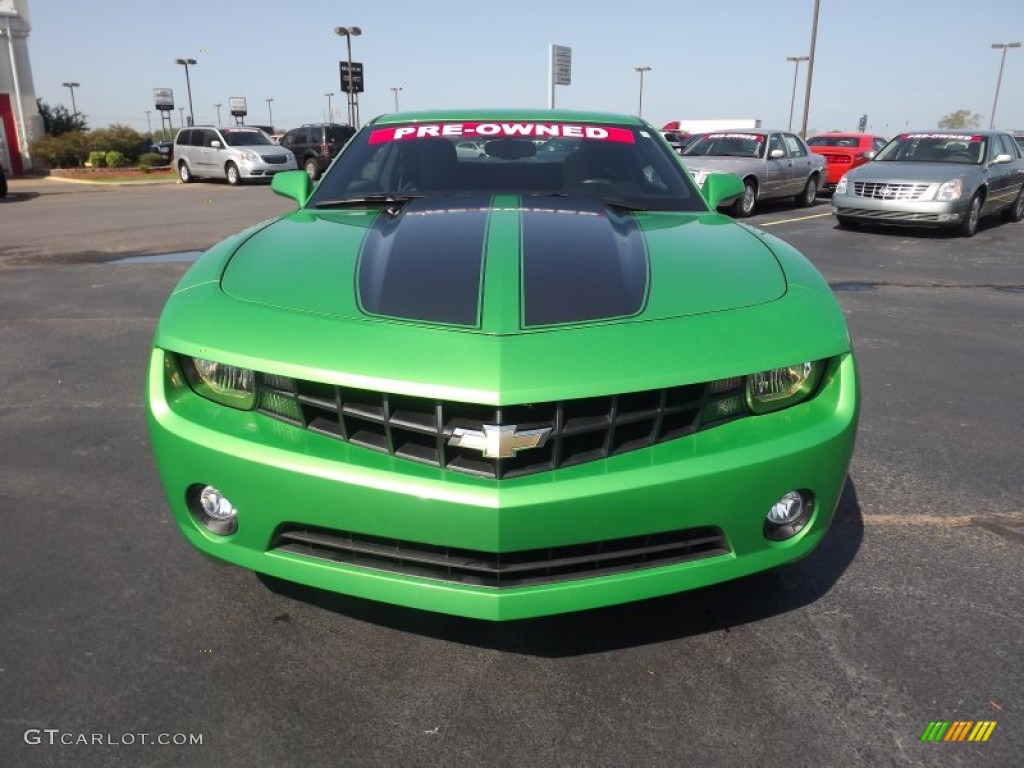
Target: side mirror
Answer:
pixel 1003 158
pixel 293 184
pixel 776 154
pixel 215 144
pixel 720 188
pixel 869 155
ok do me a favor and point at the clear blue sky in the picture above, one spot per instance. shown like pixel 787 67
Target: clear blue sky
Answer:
pixel 902 62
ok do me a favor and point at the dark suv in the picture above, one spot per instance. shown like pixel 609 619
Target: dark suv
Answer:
pixel 315 145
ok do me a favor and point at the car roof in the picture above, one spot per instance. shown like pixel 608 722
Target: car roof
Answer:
pixel 541 115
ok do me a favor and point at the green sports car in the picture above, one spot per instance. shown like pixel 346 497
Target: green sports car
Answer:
pixel 505 385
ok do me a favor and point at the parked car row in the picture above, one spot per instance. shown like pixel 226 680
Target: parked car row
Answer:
pixel 241 152
pixel 946 178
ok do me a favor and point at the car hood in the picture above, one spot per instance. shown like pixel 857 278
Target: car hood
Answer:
pixel 914 172
pixel 473 265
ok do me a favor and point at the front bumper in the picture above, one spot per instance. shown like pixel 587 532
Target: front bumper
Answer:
pixel 725 478
pixel 264 170
pixel 909 212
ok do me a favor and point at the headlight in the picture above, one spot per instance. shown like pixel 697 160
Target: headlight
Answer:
pixel 782 387
pixel 841 186
pixel 951 190
pixel 224 384
pixel 249 157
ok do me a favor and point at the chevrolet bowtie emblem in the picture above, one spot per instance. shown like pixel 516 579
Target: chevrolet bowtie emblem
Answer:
pixel 499 442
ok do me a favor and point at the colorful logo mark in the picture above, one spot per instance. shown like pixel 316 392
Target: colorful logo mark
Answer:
pixel 958 730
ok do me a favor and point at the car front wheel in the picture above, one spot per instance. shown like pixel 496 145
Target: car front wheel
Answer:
pixel 1016 211
pixel 234 177
pixel 311 169
pixel 972 215
pixel 184 172
pixel 807 197
pixel 744 206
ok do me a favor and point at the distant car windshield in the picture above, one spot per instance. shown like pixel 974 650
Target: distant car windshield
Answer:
pixel 935 148
pixel 833 141
pixel 242 138
pixel 728 145
pixel 621 165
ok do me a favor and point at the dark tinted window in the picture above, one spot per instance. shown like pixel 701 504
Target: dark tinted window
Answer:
pixel 183 137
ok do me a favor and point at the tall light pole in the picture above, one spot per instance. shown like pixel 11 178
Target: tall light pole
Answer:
pixel 149 123
pixel 182 111
pixel 218 113
pixel 270 111
pixel 330 114
pixel 188 84
pixel 792 102
pixel 641 70
pixel 71 87
pixel 1002 61
pixel 395 89
pixel 810 69
pixel 348 33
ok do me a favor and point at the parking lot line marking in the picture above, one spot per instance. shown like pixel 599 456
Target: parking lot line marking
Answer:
pixel 790 221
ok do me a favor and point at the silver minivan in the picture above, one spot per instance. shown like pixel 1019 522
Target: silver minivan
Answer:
pixel 235 153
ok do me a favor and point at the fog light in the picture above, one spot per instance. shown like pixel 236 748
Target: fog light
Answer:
pixel 213 509
pixel 788 516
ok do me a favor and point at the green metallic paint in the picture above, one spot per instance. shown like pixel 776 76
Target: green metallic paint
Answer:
pixel 725 300
pixel 291 184
pixel 719 188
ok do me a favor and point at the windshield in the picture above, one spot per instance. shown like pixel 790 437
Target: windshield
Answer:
pixel 935 148
pixel 833 141
pixel 728 145
pixel 626 166
pixel 243 138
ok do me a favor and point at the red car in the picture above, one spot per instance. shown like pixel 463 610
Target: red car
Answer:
pixel 844 151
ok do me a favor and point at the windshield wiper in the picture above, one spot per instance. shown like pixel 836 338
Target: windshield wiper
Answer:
pixel 394 202
pixel 612 202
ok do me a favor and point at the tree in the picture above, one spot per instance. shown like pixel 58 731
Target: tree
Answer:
pixel 962 118
pixel 57 119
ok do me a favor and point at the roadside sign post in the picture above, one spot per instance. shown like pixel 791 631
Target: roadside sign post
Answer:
pixel 559 70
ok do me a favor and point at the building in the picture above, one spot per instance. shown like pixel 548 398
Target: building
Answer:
pixel 20 121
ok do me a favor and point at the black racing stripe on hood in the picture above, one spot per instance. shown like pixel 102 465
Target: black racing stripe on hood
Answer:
pixel 581 261
pixel 425 263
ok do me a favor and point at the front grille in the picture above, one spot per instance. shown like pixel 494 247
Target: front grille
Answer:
pixel 510 569
pixel 881 190
pixel 420 429
pixel 275 159
pixel 891 215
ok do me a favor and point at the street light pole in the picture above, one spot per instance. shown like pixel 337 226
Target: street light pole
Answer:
pixel 641 70
pixel 188 84
pixel 796 69
pixel 270 111
pixel 71 87
pixel 810 69
pixel 218 113
pixel 353 111
pixel 999 80
pixel 330 114
pixel 149 124
pixel 396 89
pixel 182 111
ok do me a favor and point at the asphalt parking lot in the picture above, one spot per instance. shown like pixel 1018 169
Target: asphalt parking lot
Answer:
pixel 113 626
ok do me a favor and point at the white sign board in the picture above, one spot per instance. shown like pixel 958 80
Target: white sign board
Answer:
pixel 163 98
pixel 561 64
pixel 236 105
pixel 7 8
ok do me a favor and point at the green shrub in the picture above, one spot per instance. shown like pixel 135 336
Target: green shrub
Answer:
pixel 116 159
pixel 151 159
pixel 118 138
pixel 68 150
pixel 97 158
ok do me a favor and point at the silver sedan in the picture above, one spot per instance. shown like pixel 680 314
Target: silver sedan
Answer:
pixel 772 164
pixel 935 178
